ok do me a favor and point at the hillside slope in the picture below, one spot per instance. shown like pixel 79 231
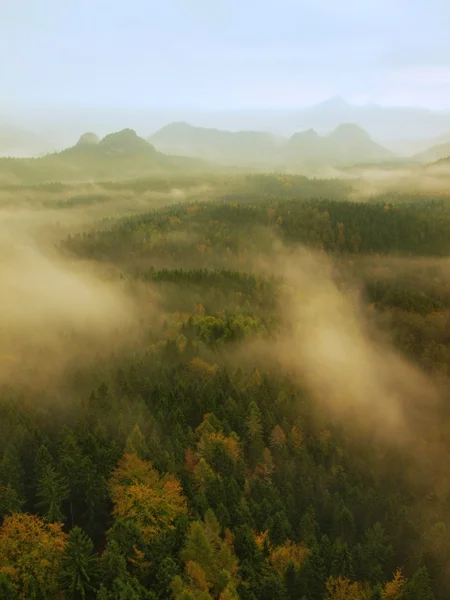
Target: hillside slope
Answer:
pixel 434 153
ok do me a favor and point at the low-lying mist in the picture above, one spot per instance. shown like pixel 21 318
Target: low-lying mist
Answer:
pixel 53 215
pixel 331 345
pixel 376 181
pixel 58 313
pixel 54 313
pixel 329 342
pixel 50 299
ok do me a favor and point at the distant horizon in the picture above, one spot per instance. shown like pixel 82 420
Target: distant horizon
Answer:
pixel 49 129
pixel 335 98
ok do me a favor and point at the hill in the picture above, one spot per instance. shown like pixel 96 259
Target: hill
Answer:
pixel 386 122
pixel 88 139
pixel 347 143
pixel 125 143
pixel 434 153
pixel 250 147
pixel 119 155
pixel 409 147
pixel 304 145
pixel 442 162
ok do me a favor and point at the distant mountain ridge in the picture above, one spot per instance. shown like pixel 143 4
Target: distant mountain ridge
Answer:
pixel 216 144
pixel 125 155
pixel 346 143
pixel 406 130
pixel 382 122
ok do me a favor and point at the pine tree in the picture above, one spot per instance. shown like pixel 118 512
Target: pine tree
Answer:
pixel 42 460
pixel 10 502
pixel 312 576
pixel 80 566
pixel 136 444
pixel 71 464
pixel 52 490
pixel 342 561
pixel 94 499
pixel 254 433
pixel 419 587
pixel 12 473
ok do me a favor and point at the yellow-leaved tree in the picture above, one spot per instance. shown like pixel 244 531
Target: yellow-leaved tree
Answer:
pixel 393 590
pixel 141 495
pixel 288 553
pixel 30 555
pixel 339 588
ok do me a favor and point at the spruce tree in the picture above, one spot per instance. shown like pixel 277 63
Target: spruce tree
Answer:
pixel 52 490
pixel 80 566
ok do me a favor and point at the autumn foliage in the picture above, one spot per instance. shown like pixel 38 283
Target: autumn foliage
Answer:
pixel 339 588
pixel 393 590
pixel 30 555
pixel 289 553
pixel 142 495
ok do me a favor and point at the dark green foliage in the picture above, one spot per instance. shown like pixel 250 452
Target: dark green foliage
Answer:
pixel 52 490
pixel 10 502
pixel 419 587
pixel 312 575
pixel 7 590
pixel 80 567
pixel 342 560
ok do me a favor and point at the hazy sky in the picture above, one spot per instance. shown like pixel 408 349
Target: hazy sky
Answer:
pixel 223 53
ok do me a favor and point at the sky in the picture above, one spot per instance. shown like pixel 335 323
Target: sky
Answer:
pixel 223 54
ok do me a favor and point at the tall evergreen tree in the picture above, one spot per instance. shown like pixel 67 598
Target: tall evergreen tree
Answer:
pixel 419 587
pixel 80 566
pixel 52 491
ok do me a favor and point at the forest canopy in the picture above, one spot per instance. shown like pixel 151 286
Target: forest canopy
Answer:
pixel 224 386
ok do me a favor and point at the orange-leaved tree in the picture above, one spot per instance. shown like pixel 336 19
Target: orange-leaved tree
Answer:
pixel 393 590
pixel 30 555
pixel 289 553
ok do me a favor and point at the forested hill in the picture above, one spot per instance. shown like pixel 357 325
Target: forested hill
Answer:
pixel 117 156
pixel 442 162
pixel 241 395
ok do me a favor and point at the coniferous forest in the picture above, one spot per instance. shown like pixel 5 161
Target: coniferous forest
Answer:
pixel 224 387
